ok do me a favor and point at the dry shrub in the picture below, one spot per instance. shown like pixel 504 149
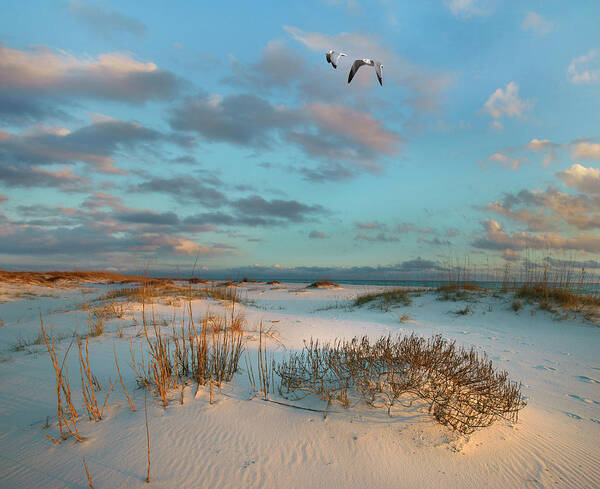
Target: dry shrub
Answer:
pixel 461 388
pixel 322 283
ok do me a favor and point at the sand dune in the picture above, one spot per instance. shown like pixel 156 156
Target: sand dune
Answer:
pixel 237 442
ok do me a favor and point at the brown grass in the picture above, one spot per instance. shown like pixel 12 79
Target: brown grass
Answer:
pixel 547 295
pixel 89 477
pixel 66 412
pixel 131 405
pixel 147 437
pixel 89 383
pixel 69 278
pixel 265 368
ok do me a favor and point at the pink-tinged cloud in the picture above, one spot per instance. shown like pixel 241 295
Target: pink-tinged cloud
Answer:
pixel 102 199
pixel 359 126
pixel 115 76
pixel 65 175
pixel 586 151
pixel 535 221
pixel 498 238
pixel 550 210
pixel 584 179
pixel 181 246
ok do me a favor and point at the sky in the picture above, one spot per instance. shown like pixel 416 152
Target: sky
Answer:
pixel 143 135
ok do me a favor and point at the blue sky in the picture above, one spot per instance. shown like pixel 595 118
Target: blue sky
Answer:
pixel 137 134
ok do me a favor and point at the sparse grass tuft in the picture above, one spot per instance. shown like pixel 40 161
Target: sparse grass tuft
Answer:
pixel 23 344
pixel 385 300
pixel 516 305
pixel 463 312
pixel 95 327
pixel 405 318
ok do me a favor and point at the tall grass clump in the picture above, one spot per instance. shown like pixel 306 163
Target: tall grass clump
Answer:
pixel 566 286
pixel 90 384
pixel 459 386
pixel 207 352
pixel 265 365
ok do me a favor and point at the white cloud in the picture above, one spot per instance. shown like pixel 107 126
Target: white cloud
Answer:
pixel 584 179
pixel 536 23
pixel 506 103
pixel 585 69
pixel 538 144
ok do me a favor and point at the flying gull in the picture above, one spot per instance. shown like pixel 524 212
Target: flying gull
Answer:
pixel 371 62
pixel 333 57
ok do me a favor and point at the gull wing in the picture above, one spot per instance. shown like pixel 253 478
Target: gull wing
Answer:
pixel 328 56
pixel 336 58
pixel 378 70
pixel 355 66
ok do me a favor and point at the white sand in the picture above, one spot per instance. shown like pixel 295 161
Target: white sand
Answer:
pixel 238 442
